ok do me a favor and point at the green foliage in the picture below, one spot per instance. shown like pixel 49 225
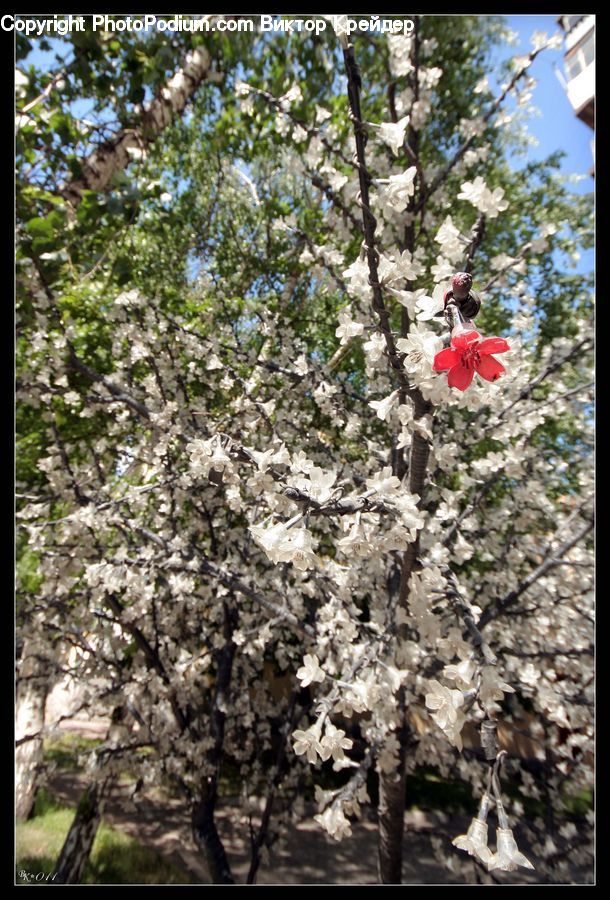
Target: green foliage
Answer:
pixel 115 857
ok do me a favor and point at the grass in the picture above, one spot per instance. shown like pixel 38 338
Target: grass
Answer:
pixel 115 857
pixel 579 804
pixel 426 790
pixel 65 749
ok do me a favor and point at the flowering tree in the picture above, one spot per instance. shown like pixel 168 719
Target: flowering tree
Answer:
pixel 285 511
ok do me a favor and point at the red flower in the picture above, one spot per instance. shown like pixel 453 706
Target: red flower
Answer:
pixel 467 354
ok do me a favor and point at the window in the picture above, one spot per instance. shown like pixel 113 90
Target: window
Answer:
pixel 581 56
pixel 588 50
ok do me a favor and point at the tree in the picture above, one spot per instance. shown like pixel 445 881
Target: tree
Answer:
pixel 253 502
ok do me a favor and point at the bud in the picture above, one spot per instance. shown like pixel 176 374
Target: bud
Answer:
pixel 461 283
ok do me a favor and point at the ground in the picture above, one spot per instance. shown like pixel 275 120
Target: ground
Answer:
pixel 307 855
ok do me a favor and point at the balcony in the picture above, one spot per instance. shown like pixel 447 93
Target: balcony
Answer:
pixel 581 94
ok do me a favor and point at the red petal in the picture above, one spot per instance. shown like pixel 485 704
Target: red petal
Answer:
pixel 493 345
pixel 446 359
pixel 460 377
pixel 489 368
pixel 465 339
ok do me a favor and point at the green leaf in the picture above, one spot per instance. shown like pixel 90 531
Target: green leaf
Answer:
pixel 40 227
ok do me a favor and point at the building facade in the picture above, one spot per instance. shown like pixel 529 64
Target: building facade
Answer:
pixel 579 65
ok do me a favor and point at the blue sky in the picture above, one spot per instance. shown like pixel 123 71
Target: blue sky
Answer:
pixel 557 128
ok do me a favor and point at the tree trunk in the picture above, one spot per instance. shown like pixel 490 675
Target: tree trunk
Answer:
pixel 204 828
pixel 207 838
pixel 79 841
pixel 391 816
pixel 31 695
pixel 114 155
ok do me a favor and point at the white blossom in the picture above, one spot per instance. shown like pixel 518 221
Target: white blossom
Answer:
pixel 393 133
pixel 335 741
pixel 308 743
pixel 399 46
pixel 384 483
pixel 334 821
pixel 358 277
pixel 271 539
pixel 426 307
pixel 492 688
pixel 310 671
pixel 450 239
pixel 507 856
pixel 374 347
pixel 348 328
pixel 539 40
pixel 462 674
pixel 356 542
pixel 382 407
pixel 442 269
pixel 421 347
pixel 487 201
pixel 482 86
pixel 400 188
pixel 297 548
pixel 447 714
pixel 301 366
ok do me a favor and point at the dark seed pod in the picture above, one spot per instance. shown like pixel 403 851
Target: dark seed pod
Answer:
pixel 471 306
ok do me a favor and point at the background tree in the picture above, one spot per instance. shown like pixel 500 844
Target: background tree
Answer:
pixel 272 533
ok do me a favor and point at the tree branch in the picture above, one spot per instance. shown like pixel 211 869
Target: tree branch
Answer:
pixel 553 557
pixel 113 155
pixel 441 177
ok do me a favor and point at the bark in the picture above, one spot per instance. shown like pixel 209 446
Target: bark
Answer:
pixel 79 841
pixel 369 223
pixel 205 833
pixel 114 155
pixel 390 813
pixel 31 697
pixel 392 787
